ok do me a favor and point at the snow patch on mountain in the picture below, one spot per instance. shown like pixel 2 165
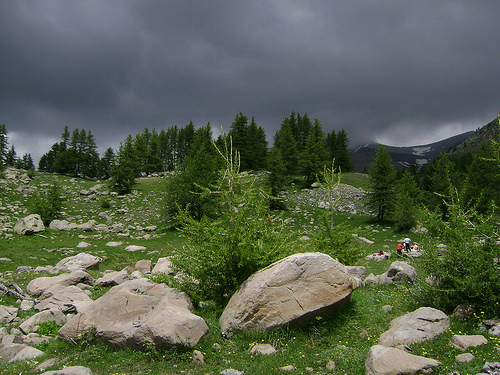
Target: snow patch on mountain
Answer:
pixel 421 151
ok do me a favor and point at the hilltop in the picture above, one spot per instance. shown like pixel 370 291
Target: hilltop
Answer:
pixel 403 157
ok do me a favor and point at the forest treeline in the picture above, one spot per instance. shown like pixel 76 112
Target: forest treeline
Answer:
pixel 302 144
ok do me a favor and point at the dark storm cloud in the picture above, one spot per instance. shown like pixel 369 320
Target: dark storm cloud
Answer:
pixel 392 71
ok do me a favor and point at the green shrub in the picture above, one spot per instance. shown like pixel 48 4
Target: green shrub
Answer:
pixel 467 271
pixel 49 204
pixel 105 203
pixel 49 328
pixel 336 241
pixel 222 253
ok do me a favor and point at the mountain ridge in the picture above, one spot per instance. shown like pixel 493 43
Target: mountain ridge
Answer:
pixel 403 157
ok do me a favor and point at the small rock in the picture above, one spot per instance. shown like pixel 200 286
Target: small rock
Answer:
pixel 330 366
pixel 465 358
pixel 387 308
pixel 464 342
pixel 264 349
pixel 288 368
pixel 198 358
pixel 135 248
pixel 231 372
pixel 114 244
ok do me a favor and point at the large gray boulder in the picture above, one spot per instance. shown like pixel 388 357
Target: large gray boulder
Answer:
pixel 81 261
pixel 391 361
pixel 139 312
pixel 68 299
pixel 293 290
pixel 420 325
pixel 39 285
pixel 29 225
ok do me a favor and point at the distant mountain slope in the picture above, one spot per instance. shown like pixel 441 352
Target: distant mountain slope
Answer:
pixel 471 144
pixel 404 157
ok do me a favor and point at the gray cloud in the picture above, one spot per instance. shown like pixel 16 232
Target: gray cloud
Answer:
pixel 393 71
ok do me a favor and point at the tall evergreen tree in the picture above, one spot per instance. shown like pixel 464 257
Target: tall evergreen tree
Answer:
pixel 278 177
pixel 483 180
pixel 256 147
pixel 238 132
pixel 382 193
pixel 3 145
pixel 286 143
pixel 106 163
pixel 126 169
pixel 198 172
pixel 11 157
pixel 342 158
pixel 314 156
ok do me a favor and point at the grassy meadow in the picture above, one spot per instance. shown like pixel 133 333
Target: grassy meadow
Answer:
pixel 344 338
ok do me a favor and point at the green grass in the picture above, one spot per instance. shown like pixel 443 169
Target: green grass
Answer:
pixel 344 338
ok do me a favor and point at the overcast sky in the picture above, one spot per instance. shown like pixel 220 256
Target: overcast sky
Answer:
pixel 398 72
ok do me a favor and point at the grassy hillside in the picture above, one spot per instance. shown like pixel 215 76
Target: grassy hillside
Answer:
pixel 344 338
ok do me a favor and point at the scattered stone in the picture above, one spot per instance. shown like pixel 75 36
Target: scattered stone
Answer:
pixel 293 290
pixel 264 349
pixel 54 315
pixel 288 368
pixel 113 278
pixel 464 342
pixel 114 244
pixel 462 312
pixel 198 358
pixel 81 261
pixel 143 265
pixel 421 325
pixel 231 372
pixel 135 248
pixel 24 269
pixel 46 365
pixel 387 308
pixel 73 370
pixel 330 366
pixel 491 368
pixel 383 360
pixel 7 314
pixel 164 265
pixel 465 358
pixel 29 225
pixel 83 244
pixel 61 225
pixel 26 304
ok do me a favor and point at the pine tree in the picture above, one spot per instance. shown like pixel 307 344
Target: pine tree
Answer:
pixel 198 171
pixel 126 169
pixel 342 158
pixel 314 156
pixel 285 142
pixel 256 148
pixel 383 185
pixel 3 145
pixel 278 177
pixel 11 157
